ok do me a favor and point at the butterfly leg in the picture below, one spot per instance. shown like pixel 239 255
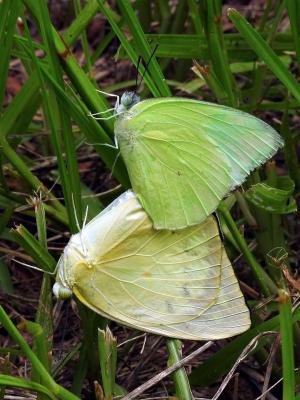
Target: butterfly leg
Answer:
pixel 110 95
pixel 100 112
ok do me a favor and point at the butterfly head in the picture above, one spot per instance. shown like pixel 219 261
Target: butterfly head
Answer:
pixel 128 100
pixel 77 255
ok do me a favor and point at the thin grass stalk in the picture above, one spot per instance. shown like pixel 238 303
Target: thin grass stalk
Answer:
pixel 68 168
pixel 20 383
pixel 143 47
pixel 265 53
pixel 128 48
pixel 107 348
pixel 195 16
pixel 260 71
pixel 93 131
pixel 290 151
pixel 46 379
pixel 287 344
pixel 40 345
pixel 85 16
pixel 218 50
pixel 265 283
pixel 85 87
pixel 32 246
pixel 181 381
pixel 44 310
pixel 8 15
pixel 25 172
pixel 293 8
pixel 84 40
pixel 80 372
pixel 103 45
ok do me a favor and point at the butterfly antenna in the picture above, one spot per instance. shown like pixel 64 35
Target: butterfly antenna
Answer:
pixel 137 73
pixel 78 227
pixel 147 65
pixel 34 267
pixel 85 216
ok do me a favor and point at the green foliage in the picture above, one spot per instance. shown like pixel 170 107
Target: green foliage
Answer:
pixel 252 67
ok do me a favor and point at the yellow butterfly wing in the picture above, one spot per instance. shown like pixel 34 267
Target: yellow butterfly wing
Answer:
pixel 174 283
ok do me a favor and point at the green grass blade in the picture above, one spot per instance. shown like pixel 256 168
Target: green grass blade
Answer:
pixel 181 381
pixel 14 382
pixel 40 344
pixel 34 248
pixel 6 285
pixel 218 50
pixel 107 347
pixel 293 8
pixel 287 344
pixel 60 392
pixel 265 283
pixel 143 47
pixel 58 119
pixel 128 48
pixel 195 16
pixel 220 363
pixel 81 22
pixel 8 20
pixel 265 53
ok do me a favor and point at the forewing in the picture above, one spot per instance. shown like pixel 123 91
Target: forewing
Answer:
pixel 183 156
pixel 179 176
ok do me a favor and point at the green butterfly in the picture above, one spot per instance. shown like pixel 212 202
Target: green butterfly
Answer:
pixel 174 283
pixel 183 156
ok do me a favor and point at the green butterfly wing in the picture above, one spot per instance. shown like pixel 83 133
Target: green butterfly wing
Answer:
pixel 174 283
pixel 183 156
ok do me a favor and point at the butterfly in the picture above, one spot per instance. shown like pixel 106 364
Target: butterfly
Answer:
pixel 174 283
pixel 183 156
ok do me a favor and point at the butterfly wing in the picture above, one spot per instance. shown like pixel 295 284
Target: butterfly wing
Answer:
pixel 163 282
pixel 183 156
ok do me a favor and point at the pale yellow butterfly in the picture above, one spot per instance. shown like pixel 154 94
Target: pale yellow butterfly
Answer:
pixel 174 283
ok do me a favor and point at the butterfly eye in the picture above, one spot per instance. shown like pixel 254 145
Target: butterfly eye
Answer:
pixel 128 99
pixel 61 292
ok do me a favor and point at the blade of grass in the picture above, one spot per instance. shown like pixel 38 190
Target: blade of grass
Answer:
pixel 195 16
pixel 265 52
pixel 287 344
pixel 40 345
pixel 84 40
pixel 265 283
pixel 142 45
pixel 218 50
pixel 290 151
pixel 44 311
pixel 85 87
pixel 34 248
pixel 181 381
pixel 8 18
pixel 25 172
pixel 128 48
pixel 107 348
pixel 220 362
pixel 293 8
pixel 58 119
pixel 48 382
pixel 14 382
pixel 93 131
